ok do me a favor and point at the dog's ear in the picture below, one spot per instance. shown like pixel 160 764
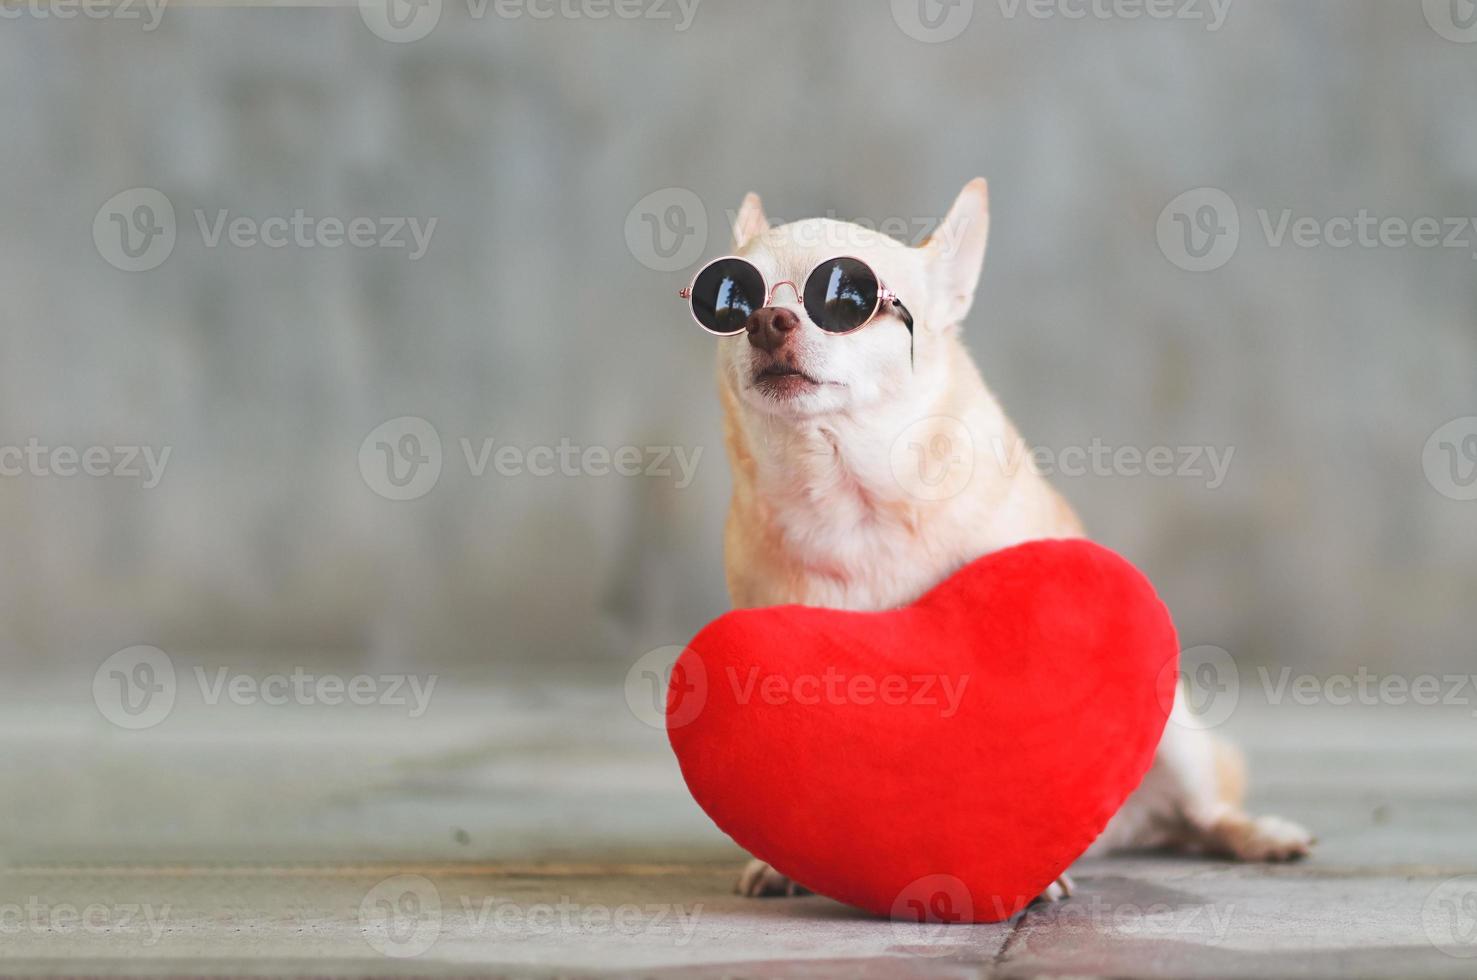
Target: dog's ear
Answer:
pixel 750 221
pixel 955 253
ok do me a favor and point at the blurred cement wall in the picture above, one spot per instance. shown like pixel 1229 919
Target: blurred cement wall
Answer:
pixel 577 169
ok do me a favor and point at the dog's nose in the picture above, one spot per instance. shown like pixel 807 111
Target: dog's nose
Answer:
pixel 768 328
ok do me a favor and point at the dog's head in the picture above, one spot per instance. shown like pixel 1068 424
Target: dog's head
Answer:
pixel 784 365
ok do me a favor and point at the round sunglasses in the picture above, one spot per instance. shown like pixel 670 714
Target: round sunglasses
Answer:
pixel 840 295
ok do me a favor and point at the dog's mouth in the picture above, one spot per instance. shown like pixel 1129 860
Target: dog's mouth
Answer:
pixel 785 380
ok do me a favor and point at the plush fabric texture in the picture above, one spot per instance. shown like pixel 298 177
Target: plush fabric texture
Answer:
pixel 944 761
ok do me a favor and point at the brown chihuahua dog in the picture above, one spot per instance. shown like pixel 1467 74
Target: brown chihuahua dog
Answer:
pixel 859 432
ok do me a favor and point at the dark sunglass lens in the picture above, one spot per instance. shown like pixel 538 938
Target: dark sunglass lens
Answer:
pixel 726 293
pixel 841 295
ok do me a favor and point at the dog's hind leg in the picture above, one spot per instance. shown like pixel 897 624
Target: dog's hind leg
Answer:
pixel 1208 777
pixel 1192 800
pixel 1222 827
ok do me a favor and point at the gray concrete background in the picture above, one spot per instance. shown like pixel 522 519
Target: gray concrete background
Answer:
pixel 530 319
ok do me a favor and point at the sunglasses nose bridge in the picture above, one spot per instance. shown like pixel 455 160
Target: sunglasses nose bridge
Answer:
pixel 769 300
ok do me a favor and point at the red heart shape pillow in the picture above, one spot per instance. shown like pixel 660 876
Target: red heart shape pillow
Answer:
pixel 943 761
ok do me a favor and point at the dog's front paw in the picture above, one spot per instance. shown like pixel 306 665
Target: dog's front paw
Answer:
pixel 759 880
pixel 1265 839
pixel 1063 888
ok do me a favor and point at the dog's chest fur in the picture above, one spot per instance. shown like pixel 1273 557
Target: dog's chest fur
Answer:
pixel 820 518
pixel 853 543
